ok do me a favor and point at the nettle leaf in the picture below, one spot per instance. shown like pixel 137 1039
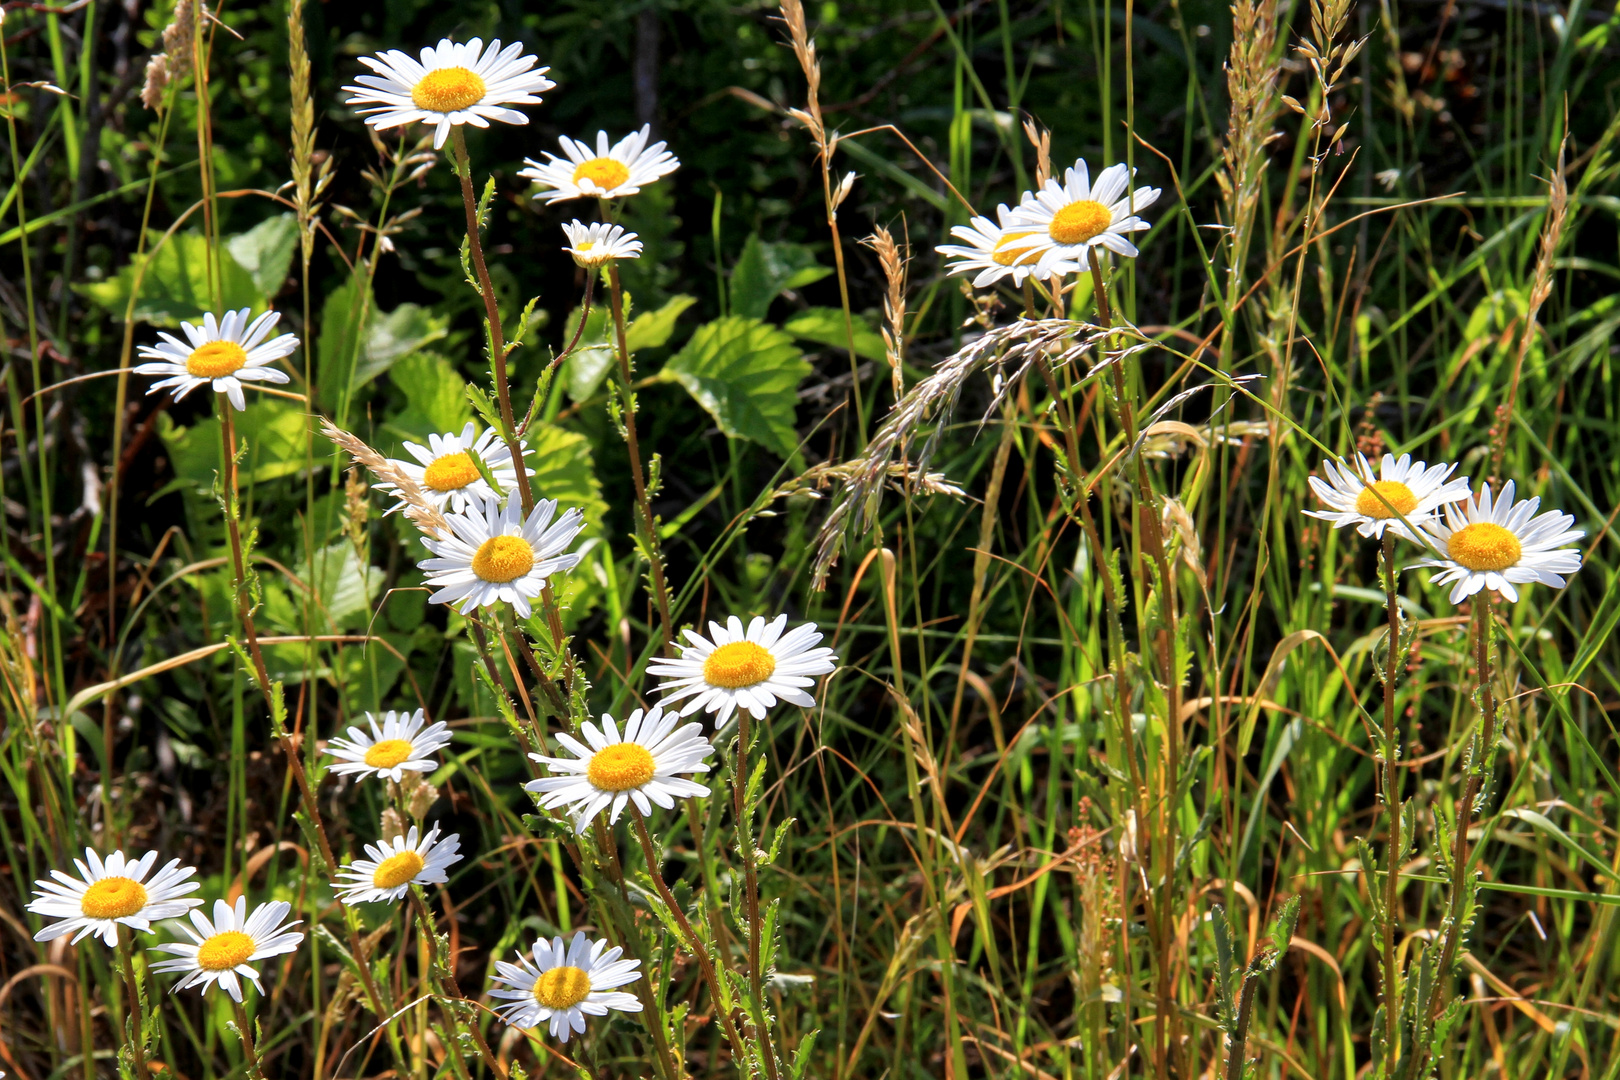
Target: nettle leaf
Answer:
pixel 765 271
pixel 175 285
pixel 825 326
pixel 266 251
pixel 348 317
pixel 435 396
pixel 273 428
pixel 746 374
pixel 653 329
pixel 395 334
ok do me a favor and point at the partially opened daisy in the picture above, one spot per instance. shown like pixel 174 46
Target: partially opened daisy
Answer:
pixel 1069 218
pixel 445 471
pixel 565 984
pixel 452 84
pixel 221 950
pixel 400 744
pixel 998 251
pixel 604 173
pixel 1355 495
pixel 750 669
pixel 226 352
pixel 107 893
pixel 496 555
pixel 599 243
pixel 1485 545
pixel 395 865
pixel 609 769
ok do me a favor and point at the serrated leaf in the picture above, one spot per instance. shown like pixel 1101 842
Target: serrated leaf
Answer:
pixel 653 329
pixel 358 343
pixel 435 396
pixel 765 270
pixel 593 357
pixel 825 326
pixel 746 374
pixel 175 285
pixel 266 251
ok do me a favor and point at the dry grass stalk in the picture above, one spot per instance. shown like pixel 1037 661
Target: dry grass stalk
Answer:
pixel 1253 73
pixel 1041 139
pixel 893 262
pixel 422 513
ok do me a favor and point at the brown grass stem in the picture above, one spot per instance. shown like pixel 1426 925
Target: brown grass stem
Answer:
pixel 244 1031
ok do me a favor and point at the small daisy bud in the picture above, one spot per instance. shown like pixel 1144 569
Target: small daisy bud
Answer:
pixel 393 826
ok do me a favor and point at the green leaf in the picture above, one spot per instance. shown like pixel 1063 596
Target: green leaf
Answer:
pixel 825 326
pixel 266 251
pixel 765 270
pixel 383 340
pixel 592 358
pixel 346 586
pixel 435 396
pixel 653 329
pixel 175 286
pixel 563 470
pixel 747 375
pixel 273 428
pixel 405 330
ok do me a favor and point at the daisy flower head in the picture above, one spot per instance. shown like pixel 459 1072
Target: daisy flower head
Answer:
pixel 494 554
pixel 749 669
pixel 226 352
pixel 225 948
pixel 395 865
pixel 603 173
pixel 609 770
pixel 599 243
pixel 564 984
pixel 445 471
pixel 106 893
pixel 1355 495
pixel 1072 217
pixel 997 251
pixel 452 84
pixel 1485 545
pixel 399 745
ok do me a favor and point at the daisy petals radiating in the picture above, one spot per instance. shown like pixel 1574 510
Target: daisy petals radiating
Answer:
pixel 1501 545
pixel 737 668
pixel 223 950
pixel 564 983
pixel 225 352
pixel 112 892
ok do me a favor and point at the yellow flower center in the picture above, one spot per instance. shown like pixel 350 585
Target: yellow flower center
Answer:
pixel 605 172
pixel 1006 255
pixel 1080 221
pixel 216 359
pixel 224 951
pixel 562 987
pixel 503 558
pixel 742 663
pixel 448 89
pixel 1484 546
pixel 388 753
pixel 1395 493
pixel 620 767
pixel 396 870
pixel 113 898
pixel 451 472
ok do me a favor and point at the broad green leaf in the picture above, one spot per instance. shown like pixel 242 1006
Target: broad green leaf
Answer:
pixel 563 470
pixel 397 333
pixel 765 270
pixel 175 286
pixel 344 585
pixel 385 337
pixel 825 326
pixel 435 396
pixel 592 358
pixel 273 428
pixel 266 251
pixel 746 374
pixel 341 316
pixel 653 329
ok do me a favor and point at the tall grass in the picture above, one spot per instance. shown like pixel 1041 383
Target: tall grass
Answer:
pixel 1128 767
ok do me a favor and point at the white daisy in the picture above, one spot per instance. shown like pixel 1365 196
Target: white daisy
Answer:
pixel 564 985
pixel 399 746
pixel 1352 492
pixel 112 892
pixel 452 84
pixel 1072 216
pixel 998 251
pixel 221 950
pixel 445 472
pixel 613 770
pixel 226 352
pixel 495 555
pixel 605 173
pixel 1485 546
pixel 395 865
pixel 599 243
pixel 734 669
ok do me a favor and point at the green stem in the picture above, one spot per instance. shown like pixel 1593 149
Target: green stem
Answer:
pixel 137 1044
pixel 745 830
pixel 449 987
pixel 1392 806
pixel 245 1030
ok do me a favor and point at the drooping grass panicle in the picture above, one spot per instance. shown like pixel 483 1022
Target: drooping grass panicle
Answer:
pixel 418 508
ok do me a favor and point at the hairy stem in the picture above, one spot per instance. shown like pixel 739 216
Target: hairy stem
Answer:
pixel 136 1045
pixel 245 1030
pixel 1392 807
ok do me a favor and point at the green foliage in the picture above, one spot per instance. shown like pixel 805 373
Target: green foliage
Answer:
pixel 174 285
pixel 765 271
pixel 746 374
